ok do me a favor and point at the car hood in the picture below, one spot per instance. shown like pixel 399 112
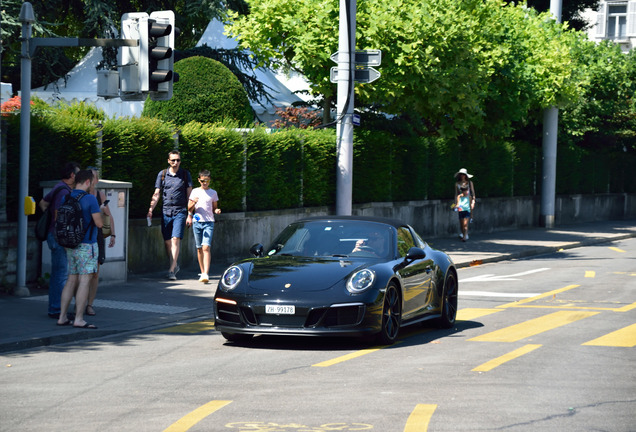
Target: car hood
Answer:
pixel 303 274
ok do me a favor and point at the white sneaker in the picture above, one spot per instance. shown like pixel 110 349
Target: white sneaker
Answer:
pixel 204 278
pixel 461 236
pixel 466 237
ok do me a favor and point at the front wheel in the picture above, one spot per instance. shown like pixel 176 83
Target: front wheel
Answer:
pixel 449 301
pixel 391 316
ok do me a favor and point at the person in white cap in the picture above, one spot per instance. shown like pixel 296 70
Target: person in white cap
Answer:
pixel 462 179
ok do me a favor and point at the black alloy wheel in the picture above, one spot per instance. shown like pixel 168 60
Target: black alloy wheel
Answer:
pixel 391 316
pixel 449 301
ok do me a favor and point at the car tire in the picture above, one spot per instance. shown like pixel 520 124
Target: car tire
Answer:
pixel 449 301
pixel 236 337
pixel 391 316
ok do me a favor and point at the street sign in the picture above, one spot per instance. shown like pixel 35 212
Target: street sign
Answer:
pixel 363 57
pixel 355 119
pixel 362 75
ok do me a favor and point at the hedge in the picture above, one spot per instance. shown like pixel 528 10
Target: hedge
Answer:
pixel 259 170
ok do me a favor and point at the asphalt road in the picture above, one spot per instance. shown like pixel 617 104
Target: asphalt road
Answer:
pixel 541 344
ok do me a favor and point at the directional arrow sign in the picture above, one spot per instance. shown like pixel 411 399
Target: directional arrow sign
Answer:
pixel 362 75
pixel 363 57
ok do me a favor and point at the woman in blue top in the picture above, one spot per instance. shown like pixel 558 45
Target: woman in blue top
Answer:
pixel 463 205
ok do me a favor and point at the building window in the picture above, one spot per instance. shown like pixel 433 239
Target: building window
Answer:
pixel 617 21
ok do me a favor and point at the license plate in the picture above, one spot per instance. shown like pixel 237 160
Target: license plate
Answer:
pixel 280 309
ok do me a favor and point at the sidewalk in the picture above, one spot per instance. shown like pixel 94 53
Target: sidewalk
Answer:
pixel 150 301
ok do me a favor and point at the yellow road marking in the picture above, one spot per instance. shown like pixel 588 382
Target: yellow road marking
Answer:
pixel 189 420
pixel 617 249
pixel 626 308
pixel 540 296
pixel 353 355
pixel 533 327
pixel 195 327
pixel 590 274
pixel 570 306
pixel 625 337
pixel 419 418
pixel 489 365
pixel 468 314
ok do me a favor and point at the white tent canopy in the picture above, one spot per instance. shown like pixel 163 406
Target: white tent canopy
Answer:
pixel 81 83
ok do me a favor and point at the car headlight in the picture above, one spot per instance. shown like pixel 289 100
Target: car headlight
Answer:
pixel 231 278
pixel 361 281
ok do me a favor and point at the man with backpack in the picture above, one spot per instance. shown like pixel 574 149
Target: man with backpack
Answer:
pixel 51 202
pixel 78 222
pixel 173 185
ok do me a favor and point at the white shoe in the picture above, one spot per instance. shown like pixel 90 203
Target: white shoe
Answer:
pixel 461 236
pixel 204 278
pixel 176 269
pixel 466 237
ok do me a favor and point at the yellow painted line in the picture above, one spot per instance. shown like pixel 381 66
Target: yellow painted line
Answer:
pixel 468 314
pixel 617 249
pixel 489 365
pixel 533 327
pixel 590 274
pixel 625 337
pixel 626 308
pixel 552 293
pixel 351 356
pixel 569 306
pixel 195 327
pixel 420 417
pixel 189 420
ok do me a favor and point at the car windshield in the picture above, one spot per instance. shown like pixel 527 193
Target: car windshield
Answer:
pixel 335 238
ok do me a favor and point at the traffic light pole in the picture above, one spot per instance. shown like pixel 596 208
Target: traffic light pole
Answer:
pixel 344 125
pixel 29 46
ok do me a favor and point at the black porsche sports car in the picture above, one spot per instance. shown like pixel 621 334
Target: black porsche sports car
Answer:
pixel 337 276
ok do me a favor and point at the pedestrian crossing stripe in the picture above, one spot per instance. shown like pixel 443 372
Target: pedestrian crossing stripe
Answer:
pixel 625 337
pixel 533 327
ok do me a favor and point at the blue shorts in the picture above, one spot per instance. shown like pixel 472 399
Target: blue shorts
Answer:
pixel 173 226
pixel 203 233
pixel 83 259
pixel 464 215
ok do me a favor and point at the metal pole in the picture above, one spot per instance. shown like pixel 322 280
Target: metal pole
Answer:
pixel 27 18
pixel 344 126
pixel 550 133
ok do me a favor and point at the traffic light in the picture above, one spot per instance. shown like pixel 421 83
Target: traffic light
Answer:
pixel 129 58
pixel 157 43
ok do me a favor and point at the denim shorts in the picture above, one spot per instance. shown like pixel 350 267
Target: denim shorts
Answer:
pixel 464 215
pixel 82 259
pixel 173 226
pixel 203 233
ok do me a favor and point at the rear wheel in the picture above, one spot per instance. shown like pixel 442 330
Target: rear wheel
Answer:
pixel 236 337
pixel 391 316
pixel 449 301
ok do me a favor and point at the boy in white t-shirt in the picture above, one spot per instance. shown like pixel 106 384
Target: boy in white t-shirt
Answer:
pixel 202 206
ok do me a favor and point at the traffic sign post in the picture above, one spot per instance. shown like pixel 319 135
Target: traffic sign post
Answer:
pixel 361 75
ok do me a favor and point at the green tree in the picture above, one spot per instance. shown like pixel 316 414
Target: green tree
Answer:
pixel 454 63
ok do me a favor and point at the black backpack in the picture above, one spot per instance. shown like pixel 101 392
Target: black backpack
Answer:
pixel 69 224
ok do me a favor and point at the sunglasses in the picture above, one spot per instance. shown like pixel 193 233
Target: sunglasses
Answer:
pixel 175 160
pixel 204 181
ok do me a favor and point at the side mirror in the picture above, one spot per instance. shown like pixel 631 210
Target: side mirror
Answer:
pixel 415 253
pixel 257 250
